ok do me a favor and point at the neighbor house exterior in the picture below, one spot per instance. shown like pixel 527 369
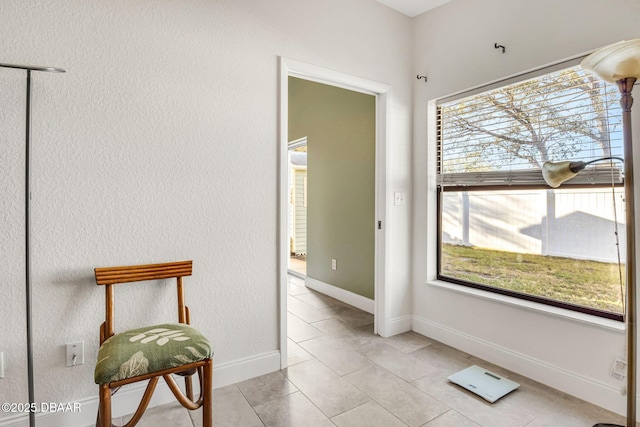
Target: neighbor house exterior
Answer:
pixel 298 209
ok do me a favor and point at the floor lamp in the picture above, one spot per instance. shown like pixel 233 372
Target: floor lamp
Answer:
pixel 27 225
pixel 618 63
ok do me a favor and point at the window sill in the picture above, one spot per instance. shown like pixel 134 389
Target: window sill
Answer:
pixel 562 313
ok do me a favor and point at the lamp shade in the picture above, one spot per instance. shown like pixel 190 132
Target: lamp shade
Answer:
pixel 614 62
pixel 555 173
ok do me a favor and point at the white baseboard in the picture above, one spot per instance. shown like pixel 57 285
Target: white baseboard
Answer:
pixel 347 297
pixel 244 369
pixel 561 379
pixel 400 325
pixel 125 401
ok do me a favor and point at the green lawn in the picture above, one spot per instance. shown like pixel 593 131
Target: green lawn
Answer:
pixel 587 283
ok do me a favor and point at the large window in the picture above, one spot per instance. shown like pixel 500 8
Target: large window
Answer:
pixel 501 228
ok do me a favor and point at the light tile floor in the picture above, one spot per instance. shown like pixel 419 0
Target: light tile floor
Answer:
pixel 341 374
pixel 298 265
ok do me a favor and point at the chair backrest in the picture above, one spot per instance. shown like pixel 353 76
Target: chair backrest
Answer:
pixel 109 276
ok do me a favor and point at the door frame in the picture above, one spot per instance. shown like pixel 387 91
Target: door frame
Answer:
pixel 382 92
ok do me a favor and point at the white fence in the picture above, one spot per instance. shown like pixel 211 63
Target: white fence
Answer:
pixel 576 224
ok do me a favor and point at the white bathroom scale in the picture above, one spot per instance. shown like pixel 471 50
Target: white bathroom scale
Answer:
pixel 485 384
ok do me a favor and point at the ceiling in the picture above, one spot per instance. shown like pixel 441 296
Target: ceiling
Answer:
pixel 413 8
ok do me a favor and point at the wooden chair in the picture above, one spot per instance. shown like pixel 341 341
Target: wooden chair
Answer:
pixel 154 351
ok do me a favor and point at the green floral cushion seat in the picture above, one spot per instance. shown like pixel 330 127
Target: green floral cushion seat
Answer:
pixel 149 349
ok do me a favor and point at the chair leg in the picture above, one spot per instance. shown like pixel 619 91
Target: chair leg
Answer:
pixel 188 387
pixel 207 394
pixel 104 408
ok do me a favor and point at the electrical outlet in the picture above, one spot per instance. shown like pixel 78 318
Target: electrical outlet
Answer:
pixel 75 353
pixel 398 198
pixel 619 369
pixel 334 264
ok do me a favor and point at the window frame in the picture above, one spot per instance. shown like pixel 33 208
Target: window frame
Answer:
pixel 441 189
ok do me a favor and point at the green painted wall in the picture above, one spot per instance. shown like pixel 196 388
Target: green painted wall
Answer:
pixel 340 128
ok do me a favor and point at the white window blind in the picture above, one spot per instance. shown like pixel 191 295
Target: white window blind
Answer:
pixel 503 135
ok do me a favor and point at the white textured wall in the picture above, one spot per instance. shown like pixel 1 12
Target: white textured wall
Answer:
pixel 454 45
pixel 160 143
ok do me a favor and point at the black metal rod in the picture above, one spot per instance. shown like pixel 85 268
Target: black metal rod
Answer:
pixel 27 251
pixel 27 227
pixel 605 158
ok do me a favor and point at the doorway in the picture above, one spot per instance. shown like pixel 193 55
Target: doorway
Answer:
pixel 291 68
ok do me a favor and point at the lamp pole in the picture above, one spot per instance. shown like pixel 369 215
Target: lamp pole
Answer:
pixel 27 228
pixel 27 248
pixel 625 86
